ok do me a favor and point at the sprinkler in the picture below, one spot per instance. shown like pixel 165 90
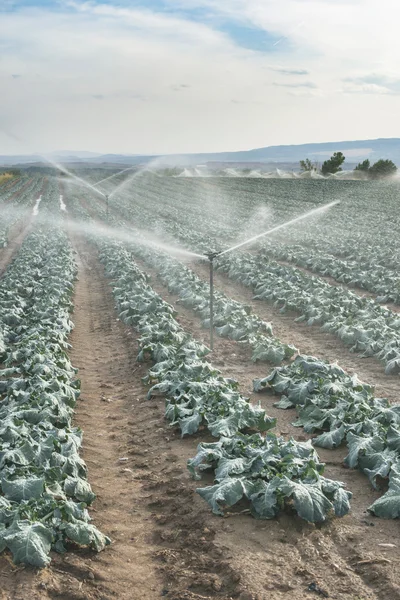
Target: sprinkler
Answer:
pixel 106 197
pixel 211 256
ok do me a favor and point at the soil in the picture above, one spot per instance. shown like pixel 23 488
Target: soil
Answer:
pixel 165 540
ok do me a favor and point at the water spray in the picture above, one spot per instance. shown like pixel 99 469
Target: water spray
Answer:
pixel 213 255
pixel 114 175
pixel 310 213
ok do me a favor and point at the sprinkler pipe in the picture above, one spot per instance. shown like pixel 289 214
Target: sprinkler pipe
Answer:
pixel 211 256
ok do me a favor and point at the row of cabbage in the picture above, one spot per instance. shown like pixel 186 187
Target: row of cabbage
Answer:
pixel 232 319
pixel 23 195
pixel 375 278
pixel 359 322
pixel 267 470
pixel 363 228
pixel 43 480
pixel 327 399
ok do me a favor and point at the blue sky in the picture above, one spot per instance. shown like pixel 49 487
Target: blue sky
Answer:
pixel 195 75
pixel 247 35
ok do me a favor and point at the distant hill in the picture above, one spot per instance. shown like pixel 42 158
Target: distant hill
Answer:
pixel 353 150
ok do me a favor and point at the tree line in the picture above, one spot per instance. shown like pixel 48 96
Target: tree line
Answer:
pixel 381 169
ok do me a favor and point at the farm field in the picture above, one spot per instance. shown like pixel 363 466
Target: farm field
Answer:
pixel 290 427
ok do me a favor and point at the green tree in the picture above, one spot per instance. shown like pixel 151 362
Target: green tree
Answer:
pixel 382 168
pixel 333 165
pixel 307 165
pixel 363 166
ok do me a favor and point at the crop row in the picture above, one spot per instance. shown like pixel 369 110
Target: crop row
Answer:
pixel 375 278
pixel 43 479
pixel 359 322
pixel 330 401
pixel 269 471
pixel 27 192
pixel 231 318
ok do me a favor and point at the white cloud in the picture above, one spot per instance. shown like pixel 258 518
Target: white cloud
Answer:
pixel 107 78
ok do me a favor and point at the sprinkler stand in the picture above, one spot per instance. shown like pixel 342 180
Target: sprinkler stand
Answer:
pixel 107 206
pixel 211 256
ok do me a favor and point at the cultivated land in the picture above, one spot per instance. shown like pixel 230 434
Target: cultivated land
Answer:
pixel 297 316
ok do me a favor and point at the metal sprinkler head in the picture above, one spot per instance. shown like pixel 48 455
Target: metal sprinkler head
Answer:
pixel 211 255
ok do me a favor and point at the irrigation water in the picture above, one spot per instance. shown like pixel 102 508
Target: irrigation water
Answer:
pixel 124 235
pixel 125 182
pixel 214 255
pixel 310 213
pixel 35 211
pixel 114 175
pixel 75 177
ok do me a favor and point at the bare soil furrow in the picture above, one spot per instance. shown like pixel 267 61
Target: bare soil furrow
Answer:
pixel 309 340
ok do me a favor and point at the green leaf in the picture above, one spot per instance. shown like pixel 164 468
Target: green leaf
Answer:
pixel 393 438
pixel 29 542
pixel 225 427
pixel 190 425
pixel 226 493
pixel 87 535
pixel 264 504
pixel 310 502
pixel 388 506
pixel 341 502
pixel 232 466
pixel 79 489
pixel 359 445
pixel 330 439
pixel 284 403
pixel 23 489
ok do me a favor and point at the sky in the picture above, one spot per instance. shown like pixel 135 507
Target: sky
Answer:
pixel 179 76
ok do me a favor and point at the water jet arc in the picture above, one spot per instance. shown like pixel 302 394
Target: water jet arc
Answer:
pixel 281 226
pixel 213 255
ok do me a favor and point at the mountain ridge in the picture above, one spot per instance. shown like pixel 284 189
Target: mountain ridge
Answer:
pixel 357 150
